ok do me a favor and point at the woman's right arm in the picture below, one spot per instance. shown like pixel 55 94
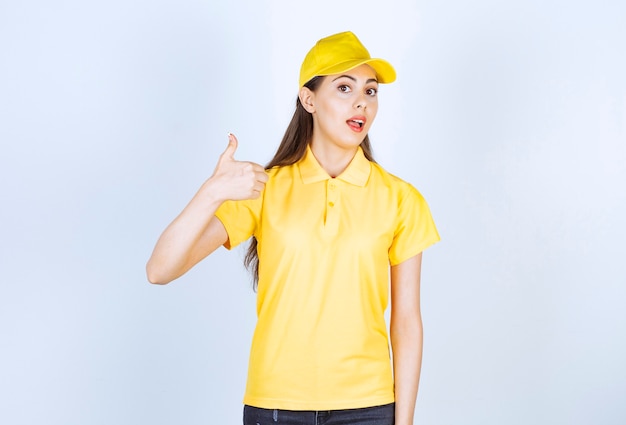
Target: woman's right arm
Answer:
pixel 196 232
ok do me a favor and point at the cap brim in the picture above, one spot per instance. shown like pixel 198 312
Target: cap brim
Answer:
pixel 385 73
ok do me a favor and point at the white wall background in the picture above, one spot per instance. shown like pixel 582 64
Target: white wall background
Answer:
pixel 510 117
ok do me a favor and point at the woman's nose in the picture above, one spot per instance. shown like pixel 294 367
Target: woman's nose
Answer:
pixel 360 102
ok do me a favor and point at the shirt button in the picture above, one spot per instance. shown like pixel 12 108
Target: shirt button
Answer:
pixel 331 204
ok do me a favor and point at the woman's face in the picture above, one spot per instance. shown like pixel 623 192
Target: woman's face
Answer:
pixel 344 107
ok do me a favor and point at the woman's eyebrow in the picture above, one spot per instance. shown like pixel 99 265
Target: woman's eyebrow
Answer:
pixel 371 80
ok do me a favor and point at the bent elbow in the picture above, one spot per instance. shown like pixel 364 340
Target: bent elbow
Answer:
pixel 156 281
pixel 154 277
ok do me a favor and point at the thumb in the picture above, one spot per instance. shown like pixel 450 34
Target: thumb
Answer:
pixel 229 153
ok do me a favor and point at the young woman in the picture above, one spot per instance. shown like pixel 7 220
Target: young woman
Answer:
pixel 330 231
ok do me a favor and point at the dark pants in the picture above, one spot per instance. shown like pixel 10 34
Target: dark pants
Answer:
pixel 378 415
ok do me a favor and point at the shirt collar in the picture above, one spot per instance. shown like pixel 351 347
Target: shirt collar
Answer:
pixel 357 172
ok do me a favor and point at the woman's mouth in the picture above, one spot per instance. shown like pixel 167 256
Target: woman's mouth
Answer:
pixel 356 123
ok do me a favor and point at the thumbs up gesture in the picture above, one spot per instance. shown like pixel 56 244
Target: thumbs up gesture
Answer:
pixel 238 180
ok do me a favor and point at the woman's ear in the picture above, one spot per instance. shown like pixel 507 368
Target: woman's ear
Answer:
pixel 307 98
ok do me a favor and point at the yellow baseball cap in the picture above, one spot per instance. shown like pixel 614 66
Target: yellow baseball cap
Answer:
pixel 339 53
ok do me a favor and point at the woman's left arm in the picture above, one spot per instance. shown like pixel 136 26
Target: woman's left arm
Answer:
pixel 406 335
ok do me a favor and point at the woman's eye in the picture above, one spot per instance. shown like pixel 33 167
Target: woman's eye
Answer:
pixel 371 92
pixel 344 88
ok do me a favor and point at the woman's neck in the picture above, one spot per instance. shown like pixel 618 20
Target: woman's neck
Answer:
pixel 333 159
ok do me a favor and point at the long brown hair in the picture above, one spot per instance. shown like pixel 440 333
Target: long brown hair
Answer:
pixel 291 150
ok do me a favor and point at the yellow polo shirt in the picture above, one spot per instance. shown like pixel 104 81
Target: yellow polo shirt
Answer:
pixel 325 245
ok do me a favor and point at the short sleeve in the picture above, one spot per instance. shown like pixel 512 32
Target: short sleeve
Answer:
pixel 414 228
pixel 240 218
